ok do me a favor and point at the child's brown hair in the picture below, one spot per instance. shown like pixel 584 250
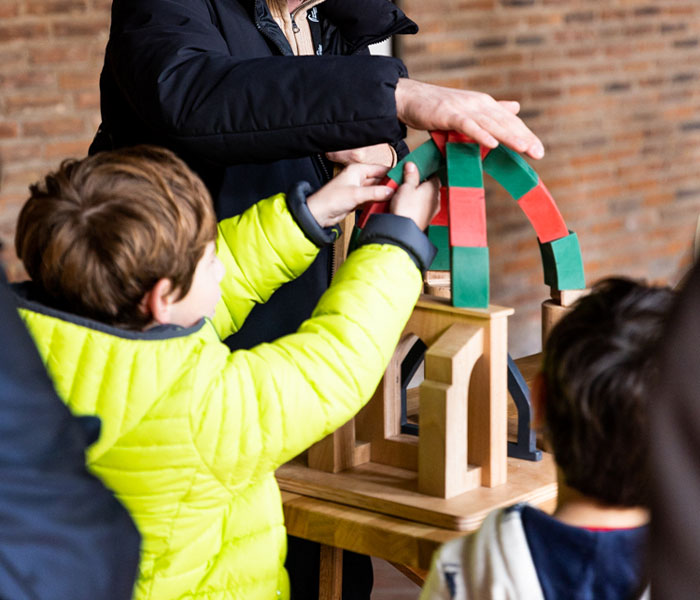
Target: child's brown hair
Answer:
pixel 98 233
pixel 599 370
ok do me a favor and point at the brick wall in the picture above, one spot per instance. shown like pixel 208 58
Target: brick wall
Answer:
pixel 613 89
pixel 50 57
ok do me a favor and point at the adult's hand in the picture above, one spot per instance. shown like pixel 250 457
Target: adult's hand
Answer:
pixel 478 115
pixel 379 154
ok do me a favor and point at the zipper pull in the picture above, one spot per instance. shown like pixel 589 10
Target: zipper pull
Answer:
pixel 295 27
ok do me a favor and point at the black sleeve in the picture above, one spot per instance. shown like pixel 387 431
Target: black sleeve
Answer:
pixel 675 450
pixel 402 232
pixel 63 534
pixel 176 71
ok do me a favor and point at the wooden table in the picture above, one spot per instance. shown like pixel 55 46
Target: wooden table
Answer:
pixel 408 545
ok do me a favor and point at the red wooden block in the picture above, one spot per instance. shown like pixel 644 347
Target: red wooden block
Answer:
pixel 442 218
pixel 369 209
pixel 388 182
pixel 459 138
pixel 453 136
pixel 542 211
pixel 467 217
pixel 440 139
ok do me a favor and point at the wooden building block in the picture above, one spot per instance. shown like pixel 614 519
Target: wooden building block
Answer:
pixel 439 236
pixel 459 138
pixel 442 218
pixel 464 166
pixel 437 283
pixel 338 451
pixel 440 139
pixel 562 263
pixel 470 276
pixel 542 211
pixel 551 313
pixel 467 216
pixel 388 182
pixel 511 171
pixel 442 446
pixel 372 208
pixel 427 158
pixel 568 297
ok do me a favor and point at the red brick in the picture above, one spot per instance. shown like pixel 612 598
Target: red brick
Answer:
pixel 8 129
pixel 21 103
pixel 79 80
pixel 81 28
pixel 61 150
pixel 22 31
pixel 27 79
pixel 55 54
pixel 55 7
pixel 58 126
pixel 9 9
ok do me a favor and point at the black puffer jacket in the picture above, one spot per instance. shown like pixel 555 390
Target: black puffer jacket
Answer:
pixel 216 81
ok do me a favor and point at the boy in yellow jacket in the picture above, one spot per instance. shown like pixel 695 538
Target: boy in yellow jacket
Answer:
pixel 126 259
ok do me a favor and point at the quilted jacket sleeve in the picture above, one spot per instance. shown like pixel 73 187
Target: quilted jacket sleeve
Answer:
pixel 273 401
pixel 261 249
pixel 177 72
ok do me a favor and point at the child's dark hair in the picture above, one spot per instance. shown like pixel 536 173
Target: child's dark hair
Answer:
pixel 98 233
pixel 599 369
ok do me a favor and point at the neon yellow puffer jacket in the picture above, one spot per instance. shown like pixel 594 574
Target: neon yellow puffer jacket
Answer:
pixel 192 433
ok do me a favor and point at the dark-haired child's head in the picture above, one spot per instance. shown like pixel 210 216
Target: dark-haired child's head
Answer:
pixel 598 372
pixel 99 235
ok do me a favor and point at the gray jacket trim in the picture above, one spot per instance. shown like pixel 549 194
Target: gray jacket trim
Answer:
pixel 402 232
pixel 296 202
pixel 27 297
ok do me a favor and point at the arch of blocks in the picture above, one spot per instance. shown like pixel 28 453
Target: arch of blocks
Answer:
pixel 459 229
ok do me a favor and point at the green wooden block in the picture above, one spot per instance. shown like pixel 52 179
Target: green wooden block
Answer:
pixel 464 166
pixel 356 231
pixel 470 276
pixel 511 171
pixel 440 236
pixel 427 157
pixel 562 263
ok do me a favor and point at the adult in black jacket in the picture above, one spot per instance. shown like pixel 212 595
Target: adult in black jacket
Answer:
pixel 62 534
pixel 218 82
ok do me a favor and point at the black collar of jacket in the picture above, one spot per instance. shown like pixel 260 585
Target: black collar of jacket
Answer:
pixel 360 22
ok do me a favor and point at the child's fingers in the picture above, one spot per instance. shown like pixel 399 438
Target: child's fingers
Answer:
pixel 360 172
pixel 411 176
pixel 374 193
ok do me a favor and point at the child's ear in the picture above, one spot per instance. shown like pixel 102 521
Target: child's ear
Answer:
pixel 538 399
pixel 158 301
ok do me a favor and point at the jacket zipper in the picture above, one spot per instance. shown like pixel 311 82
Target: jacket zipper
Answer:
pixel 293 14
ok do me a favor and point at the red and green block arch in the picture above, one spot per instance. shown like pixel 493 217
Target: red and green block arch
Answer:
pixel 459 229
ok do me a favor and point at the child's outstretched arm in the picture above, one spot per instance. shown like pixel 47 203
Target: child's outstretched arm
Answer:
pixel 273 401
pixel 276 240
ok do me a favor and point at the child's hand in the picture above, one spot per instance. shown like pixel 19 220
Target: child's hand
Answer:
pixel 355 185
pixel 415 200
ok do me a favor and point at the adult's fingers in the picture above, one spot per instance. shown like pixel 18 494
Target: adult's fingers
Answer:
pixel 510 105
pixel 511 131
